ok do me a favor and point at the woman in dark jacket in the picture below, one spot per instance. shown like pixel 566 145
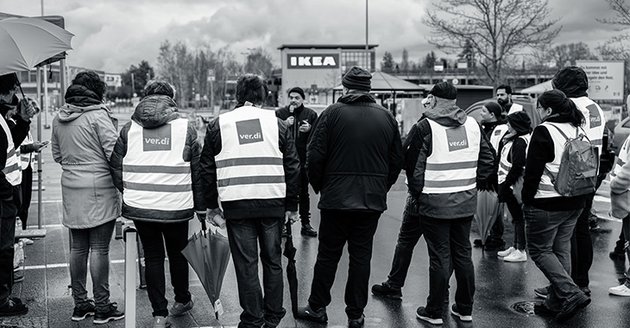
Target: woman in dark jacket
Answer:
pixel 550 217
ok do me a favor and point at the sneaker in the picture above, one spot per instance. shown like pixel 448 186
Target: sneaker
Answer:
pixel 12 308
pixel 179 309
pixel 83 311
pixel 457 313
pixel 516 256
pixel 422 314
pixel 542 292
pixel 310 314
pixel 506 252
pixel 111 315
pixel 387 291
pixel 160 322
pixel 356 323
pixel 621 290
pixel 586 290
pixel 308 231
pixel 569 309
pixel 617 256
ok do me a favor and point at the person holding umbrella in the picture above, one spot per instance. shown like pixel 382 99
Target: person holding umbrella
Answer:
pixel 10 193
pixel 156 167
pixel 250 166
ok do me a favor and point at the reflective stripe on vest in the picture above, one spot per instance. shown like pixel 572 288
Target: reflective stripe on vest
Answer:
pixel 250 164
pixel 515 108
pixel 504 165
pixel 11 168
pixel 545 186
pixel 595 121
pixel 452 166
pixel 25 159
pixel 497 134
pixel 155 175
pixel 622 158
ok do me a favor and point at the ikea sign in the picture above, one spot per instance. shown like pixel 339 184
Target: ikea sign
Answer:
pixel 313 61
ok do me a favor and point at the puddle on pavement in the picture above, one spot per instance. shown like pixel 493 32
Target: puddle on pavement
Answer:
pixel 523 307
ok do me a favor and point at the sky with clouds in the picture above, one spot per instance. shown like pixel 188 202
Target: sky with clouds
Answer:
pixel 111 35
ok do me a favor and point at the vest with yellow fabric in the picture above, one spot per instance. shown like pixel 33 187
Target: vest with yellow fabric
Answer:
pixel 515 108
pixel 622 158
pixel 504 165
pixel 155 175
pixel 26 159
pixel 250 164
pixel 452 165
pixel 545 186
pixel 12 169
pixel 595 121
pixel 497 134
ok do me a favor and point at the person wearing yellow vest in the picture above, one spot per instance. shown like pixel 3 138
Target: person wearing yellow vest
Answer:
pixel 155 164
pixel 620 206
pixel 550 217
pixel 83 139
pixel 573 82
pixel 10 180
pixel 512 158
pixel 454 161
pixel 250 181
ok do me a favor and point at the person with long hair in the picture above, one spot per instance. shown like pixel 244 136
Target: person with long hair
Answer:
pixel 551 217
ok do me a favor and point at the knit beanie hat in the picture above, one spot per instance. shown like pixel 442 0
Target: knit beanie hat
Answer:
pixel 444 90
pixel 520 122
pixel 297 90
pixel 494 108
pixel 357 78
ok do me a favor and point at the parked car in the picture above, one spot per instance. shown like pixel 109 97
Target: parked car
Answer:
pixel 529 106
pixel 620 133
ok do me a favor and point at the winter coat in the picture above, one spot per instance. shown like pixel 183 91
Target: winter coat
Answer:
pixel 301 138
pixel 152 112
pixel 354 155
pixel 251 208
pixel 443 206
pixel 83 138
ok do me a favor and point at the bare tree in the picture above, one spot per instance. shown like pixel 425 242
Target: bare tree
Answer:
pixel 622 13
pixel 496 29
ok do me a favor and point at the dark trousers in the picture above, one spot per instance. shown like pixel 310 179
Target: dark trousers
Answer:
pixel 620 244
pixel 410 233
pixel 449 249
pixel 549 243
pixel 154 237
pixel 516 211
pixel 245 235
pixel 8 212
pixel 625 231
pixel 335 229
pixel 582 247
pixel 27 191
pixel 305 202
pixel 496 232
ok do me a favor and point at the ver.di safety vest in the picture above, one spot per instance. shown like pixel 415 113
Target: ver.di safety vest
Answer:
pixel 25 159
pixel 452 165
pixel 622 158
pixel 250 164
pixel 595 121
pixel 515 108
pixel 12 167
pixel 155 175
pixel 504 165
pixel 545 186
pixel 497 134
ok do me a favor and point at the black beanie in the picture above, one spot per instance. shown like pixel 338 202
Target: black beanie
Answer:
pixel 572 81
pixel 494 108
pixel 357 78
pixel 297 90
pixel 520 122
pixel 444 90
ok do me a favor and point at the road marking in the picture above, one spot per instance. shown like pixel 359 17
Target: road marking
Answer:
pixel 60 265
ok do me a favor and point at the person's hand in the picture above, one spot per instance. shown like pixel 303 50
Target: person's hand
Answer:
pixel 28 108
pixel 215 217
pixel 305 127
pixel 39 145
pixel 290 120
pixel 291 216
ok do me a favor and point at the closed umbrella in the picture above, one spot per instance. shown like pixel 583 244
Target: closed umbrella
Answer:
pixel 28 42
pixel 488 209
pixel 209 255
pixel 289 252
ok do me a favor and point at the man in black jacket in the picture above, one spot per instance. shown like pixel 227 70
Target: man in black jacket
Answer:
pixel 300 119
pixel 249 164
pixel 354 157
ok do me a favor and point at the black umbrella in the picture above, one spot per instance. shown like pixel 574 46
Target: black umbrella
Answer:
pixel 289 252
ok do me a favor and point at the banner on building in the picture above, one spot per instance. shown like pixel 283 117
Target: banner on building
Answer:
pixel 605 79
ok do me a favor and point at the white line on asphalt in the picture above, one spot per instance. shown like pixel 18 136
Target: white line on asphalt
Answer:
pixel 60 265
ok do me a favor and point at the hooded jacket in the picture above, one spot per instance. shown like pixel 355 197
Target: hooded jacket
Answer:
pixel 83 138
pixel 443 206
pixel 152 112
pixel 354 155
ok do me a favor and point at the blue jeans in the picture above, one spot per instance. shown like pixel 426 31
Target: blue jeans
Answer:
pixel 95 242
pixel 549 241
pixel 244 236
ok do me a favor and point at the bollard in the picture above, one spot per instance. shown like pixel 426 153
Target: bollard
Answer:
pixel 130 235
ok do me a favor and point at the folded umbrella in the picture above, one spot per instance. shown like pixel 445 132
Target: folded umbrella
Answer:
pixel 488 209
pixel 289 252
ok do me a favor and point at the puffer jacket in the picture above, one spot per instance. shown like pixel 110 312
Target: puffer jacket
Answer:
pixel 443 206
pixel 83 138
pixel 354 155
pixel 152 112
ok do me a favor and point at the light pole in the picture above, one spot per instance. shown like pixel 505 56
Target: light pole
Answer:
pixel 367 46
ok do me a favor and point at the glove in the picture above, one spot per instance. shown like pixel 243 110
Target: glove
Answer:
pixel 215 217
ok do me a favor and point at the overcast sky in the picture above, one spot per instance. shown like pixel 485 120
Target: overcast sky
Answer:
pixel 113 34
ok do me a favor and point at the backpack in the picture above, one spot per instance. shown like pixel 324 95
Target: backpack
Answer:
pixel 579 165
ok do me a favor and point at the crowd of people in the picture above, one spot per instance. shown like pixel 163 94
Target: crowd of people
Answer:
pixel 251 174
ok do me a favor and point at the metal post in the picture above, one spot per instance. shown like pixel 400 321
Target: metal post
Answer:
pixel 367 46
pixel 39 155
pixel 131 253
